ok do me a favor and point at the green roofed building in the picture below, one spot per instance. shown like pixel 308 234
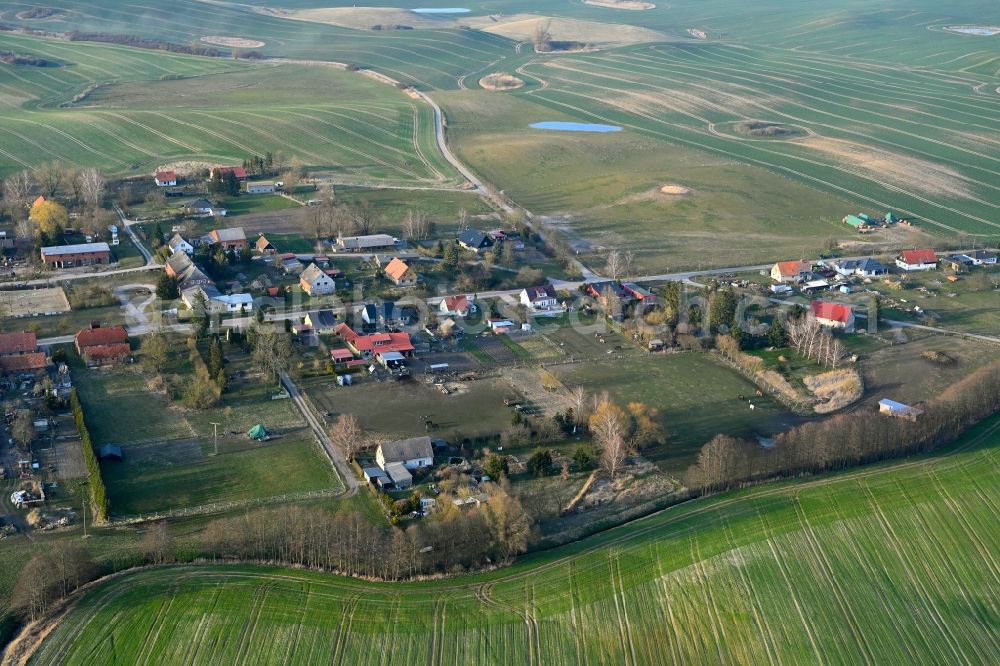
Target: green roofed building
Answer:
pixel 854 221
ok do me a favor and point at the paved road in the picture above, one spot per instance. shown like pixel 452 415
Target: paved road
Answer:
pixel 333 453
pixel 945 331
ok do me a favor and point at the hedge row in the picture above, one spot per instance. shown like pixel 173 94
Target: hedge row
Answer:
pixel 98 493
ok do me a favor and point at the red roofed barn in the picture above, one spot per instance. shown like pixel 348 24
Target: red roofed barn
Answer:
pixel 19 353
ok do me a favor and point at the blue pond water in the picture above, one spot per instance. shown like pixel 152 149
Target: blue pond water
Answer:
pixel 442 10
pixel 575 127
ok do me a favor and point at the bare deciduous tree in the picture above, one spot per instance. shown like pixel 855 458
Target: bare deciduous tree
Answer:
pixel 157 544
pixel 614 265
pixel 271 351
pixel 347 435
pixel 541 37
pixel 416 226
pixel 509 524
pixel 91 187
pixel 609 427
pixel 49 177
pixel 16 190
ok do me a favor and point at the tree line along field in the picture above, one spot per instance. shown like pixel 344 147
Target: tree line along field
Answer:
pixel 128 111
pixel 892 564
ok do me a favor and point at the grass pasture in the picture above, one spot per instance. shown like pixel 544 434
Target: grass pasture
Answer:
pixel 128 111
pixel 883 565
pixel 394 409
pixel 696 397
pixel 169 460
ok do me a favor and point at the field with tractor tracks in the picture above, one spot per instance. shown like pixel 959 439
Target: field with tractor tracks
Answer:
pixel 888 564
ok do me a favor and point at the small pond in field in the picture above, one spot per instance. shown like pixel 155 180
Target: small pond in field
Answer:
pixel 575 127
pixel 982 30
pixel 441 10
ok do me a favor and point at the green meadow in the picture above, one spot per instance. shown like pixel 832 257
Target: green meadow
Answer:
pixel 891 564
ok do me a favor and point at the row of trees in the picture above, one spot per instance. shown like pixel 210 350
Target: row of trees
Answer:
pixel 848 439
pixel 451 539
pixel 98 492
pixel 810 340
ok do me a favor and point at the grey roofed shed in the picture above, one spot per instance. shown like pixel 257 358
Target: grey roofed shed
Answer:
pixel 110 452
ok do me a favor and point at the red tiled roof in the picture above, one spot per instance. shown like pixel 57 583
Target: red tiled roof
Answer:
pixel 165 176
pixel 382 342
pixel 341 354
pixel 792 267
pixel 831 311
pixel 113 350
pixel 238 171
pixel 90 337
pixel 39 201
pixel 345 332
pixel 32 361
pixel 17 343
pixel 456 303
pixel 924 256
pixel 396 269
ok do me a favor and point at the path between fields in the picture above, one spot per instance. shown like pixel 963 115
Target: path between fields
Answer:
pixel 333 453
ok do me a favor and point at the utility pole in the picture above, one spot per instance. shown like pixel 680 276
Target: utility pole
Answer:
pixel 215 427
pixel 84 516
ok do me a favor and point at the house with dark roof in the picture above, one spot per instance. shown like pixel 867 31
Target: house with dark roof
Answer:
pixel 980 258
pixel 475 240
pixel 204 207
pixel 866 267
pixel 322 321
pixel 834 315
pixel 412 453
pixel 917 260
pixel 539 298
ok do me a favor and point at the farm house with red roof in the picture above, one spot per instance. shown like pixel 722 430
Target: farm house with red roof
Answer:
pixel 834 315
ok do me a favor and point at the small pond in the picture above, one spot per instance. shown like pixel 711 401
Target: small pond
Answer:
pixel 441 10
pixel 575 127
pixel 982 30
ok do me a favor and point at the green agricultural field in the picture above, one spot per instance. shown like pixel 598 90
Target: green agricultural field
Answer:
pixel 128 111
pixel 892 564
pixel 697 398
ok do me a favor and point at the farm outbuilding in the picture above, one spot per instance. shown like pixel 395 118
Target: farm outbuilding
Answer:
pixel 258 432
pixel 110 452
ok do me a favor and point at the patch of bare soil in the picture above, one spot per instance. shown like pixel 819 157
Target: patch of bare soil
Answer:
pixel 574 33
pixel 697 34
pixel 675 190
pixel 187 168
pixel 631 5
pixel 500 81
pixel 894 168
pixel 837 389
pixel 236 42
pixel 365 18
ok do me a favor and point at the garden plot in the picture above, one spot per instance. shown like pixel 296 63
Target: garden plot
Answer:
pixel 25 303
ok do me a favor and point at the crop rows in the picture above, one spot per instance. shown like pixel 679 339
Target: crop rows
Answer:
pixel 357 130
pixel 895 565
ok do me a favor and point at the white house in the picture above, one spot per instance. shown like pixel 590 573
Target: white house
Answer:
pixel 315 282
pixel 917 260
pixel 539 298
pixel 412 453
pixel 260 188
pixel 456 306
pixel 165 178
pixel 235 302
pixel 834 315
pixel 178 244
